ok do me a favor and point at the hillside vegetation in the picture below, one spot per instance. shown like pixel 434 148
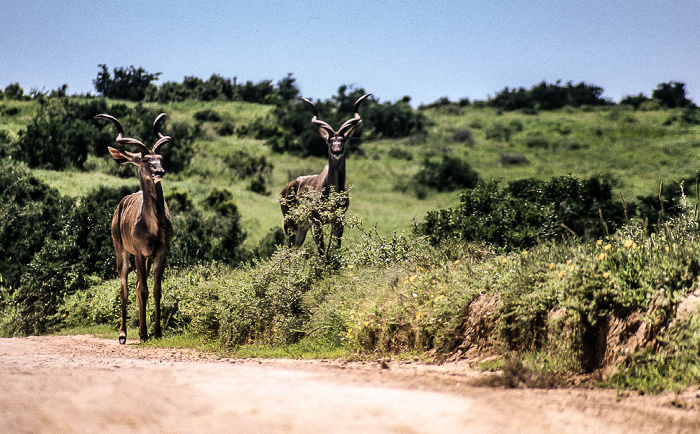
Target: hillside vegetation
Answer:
pixel 556 241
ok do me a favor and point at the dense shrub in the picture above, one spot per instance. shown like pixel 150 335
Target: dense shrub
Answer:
pixel 65 131
pixel 210 233
pixel 52 246
pixel 451 173
pixel 207 115
pixel 546 96
pixel 527 212
pixel 671 95
pixel 29 210
pixel 386 120
pixel 127 83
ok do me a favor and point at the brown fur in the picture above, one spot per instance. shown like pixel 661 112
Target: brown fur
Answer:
pixel 141 226
pixel 332 178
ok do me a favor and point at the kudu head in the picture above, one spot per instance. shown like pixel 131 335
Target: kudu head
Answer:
pixel 148 162
pixel 352 128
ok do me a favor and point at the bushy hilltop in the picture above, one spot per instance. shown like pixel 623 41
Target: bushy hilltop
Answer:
pixel 546 229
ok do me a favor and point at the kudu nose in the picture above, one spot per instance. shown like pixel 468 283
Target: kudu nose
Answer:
pixel 159 173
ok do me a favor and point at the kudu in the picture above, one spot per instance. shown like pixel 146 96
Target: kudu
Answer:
pixel 141 226
pixel 331 179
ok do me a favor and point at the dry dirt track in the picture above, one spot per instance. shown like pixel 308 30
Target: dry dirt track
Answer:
pixel 84 384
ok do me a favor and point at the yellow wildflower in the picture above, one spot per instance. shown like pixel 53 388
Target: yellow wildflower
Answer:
pixel 413 278
pixel 602 256
pixel 628 243
pixel 568 262
pixel 551 266
pixel 607 247
pixel 606 274
pixel 599 242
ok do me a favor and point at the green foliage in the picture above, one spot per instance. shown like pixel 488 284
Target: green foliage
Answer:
pixel 14 91
pixel 387 120
pixel 449 174
pixel 211 233
pixel 671 95
pixel 527 212
pixel 546 96
pixel 65 131
pixel 266 306
pixel 29 210
pixel 127 83
pixel 207 115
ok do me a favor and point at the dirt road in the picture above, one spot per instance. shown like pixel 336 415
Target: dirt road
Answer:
pixel 57 384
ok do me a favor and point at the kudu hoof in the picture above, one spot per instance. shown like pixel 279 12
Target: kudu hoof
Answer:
pixel 122 339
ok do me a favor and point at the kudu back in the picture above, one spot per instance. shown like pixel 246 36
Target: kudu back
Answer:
pixel 141 225
pixel 331 179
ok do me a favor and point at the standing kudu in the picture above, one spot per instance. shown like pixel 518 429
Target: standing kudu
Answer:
pixel 331 179
pixel 141 226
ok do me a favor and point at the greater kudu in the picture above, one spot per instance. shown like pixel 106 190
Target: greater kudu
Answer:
pixel 331 179
pixel 141 226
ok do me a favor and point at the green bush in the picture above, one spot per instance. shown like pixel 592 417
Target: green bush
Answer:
pixel 527 212
pixel 65 131
pixel 449 174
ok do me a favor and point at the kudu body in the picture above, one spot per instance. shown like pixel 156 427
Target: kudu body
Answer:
pixel 331 179
pixel 141 226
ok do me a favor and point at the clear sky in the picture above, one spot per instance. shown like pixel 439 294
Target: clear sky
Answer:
pixel 424 49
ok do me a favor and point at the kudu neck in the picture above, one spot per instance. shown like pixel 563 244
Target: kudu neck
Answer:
pixel 153 201
pixel 336 172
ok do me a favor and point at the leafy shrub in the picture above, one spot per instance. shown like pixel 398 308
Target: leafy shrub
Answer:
pixel 65 131
pixel 465 136
pixel 29 210
pixel 266 307
pixel 449 174
pixel 207 115
pixel 548 96
pixel 204 235
pixel 246 165
pixel 78 246
pixel 499 131
pixel 527 212
pixel 127 83
pixel 387 120
pixel 400 154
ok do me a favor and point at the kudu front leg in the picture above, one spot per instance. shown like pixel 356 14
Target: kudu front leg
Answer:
pixel 142 294
pixel 158 269
pixel 337 230
pixel 318 238
pixel 123 270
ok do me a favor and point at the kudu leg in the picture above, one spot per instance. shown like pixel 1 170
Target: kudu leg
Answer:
pixel 123 270
pixel 142 294
pixel 318 238
pixel 337 230
pixel 158 269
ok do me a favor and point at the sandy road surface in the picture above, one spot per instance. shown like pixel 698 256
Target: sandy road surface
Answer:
pixel 84 384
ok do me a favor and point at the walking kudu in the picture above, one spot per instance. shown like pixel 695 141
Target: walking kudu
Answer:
pixel 141 226
pixel 331 179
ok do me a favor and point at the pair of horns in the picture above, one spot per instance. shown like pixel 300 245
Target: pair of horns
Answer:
pixel 347 125
pixel 130 141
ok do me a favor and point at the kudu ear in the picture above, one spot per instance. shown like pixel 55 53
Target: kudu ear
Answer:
pixel 123 158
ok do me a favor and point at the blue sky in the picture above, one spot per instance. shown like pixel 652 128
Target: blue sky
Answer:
pixel 424 49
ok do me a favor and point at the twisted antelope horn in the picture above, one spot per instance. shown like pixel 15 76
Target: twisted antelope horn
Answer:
pixel 120 137
pixel 315 120
pixel 355 123
pixel 161 138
